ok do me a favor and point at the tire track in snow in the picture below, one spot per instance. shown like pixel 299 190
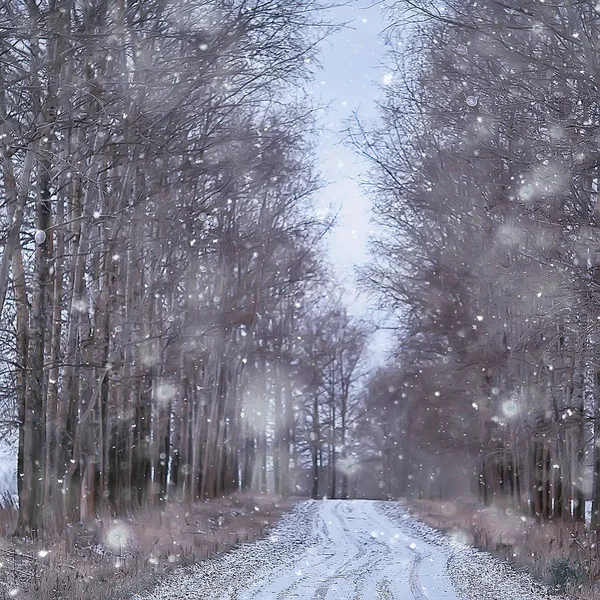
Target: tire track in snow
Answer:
pixel 414 576
pixel 343 519
pixel 414 581
pixel 323 529
pixel 358 566
pixel 321 591
pixel 325 535
pixel 319 528
pixel 375 551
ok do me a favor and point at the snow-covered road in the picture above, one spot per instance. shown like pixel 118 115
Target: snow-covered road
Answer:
pixel 360 554
pixel 347 550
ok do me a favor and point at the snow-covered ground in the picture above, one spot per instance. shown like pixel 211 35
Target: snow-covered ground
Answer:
pixel 346 550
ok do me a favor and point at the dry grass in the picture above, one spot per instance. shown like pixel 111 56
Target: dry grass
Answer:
pixel 520 540
pixel 112 559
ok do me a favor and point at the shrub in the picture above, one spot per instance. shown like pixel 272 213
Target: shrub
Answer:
pixel 563 574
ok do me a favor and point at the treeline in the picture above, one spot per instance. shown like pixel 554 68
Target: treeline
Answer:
pixel 160 273
pixel 485 171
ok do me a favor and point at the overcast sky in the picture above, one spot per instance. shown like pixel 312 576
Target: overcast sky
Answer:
pixel 350 81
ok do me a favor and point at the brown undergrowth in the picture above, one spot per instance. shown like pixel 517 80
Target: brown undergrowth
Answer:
pixel 112 559
pixel 564 556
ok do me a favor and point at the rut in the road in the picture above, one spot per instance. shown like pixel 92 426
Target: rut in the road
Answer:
pixel 413 580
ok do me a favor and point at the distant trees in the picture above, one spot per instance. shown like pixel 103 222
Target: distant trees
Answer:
pixel 485 180
pixel 335 347
pixel 302 398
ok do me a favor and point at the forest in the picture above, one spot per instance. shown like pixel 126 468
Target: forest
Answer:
pixel 171 328
pixel 485 179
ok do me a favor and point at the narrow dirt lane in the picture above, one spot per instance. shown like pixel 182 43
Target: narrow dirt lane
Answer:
pixel 350 550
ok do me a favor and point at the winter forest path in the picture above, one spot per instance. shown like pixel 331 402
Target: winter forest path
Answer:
pixel 360 554
pixel 329 550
